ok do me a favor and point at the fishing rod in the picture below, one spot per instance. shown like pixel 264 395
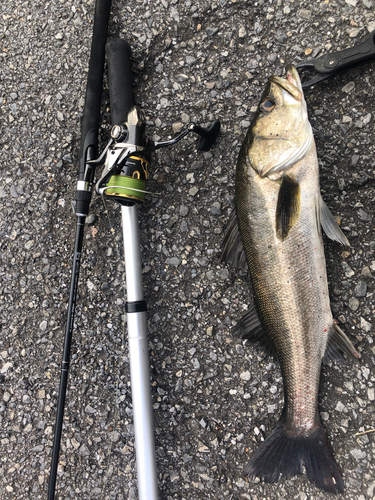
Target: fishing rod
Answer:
pixel 126 160
pixel 88 150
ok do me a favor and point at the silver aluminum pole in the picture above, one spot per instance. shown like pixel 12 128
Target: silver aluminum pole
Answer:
pixel 139 359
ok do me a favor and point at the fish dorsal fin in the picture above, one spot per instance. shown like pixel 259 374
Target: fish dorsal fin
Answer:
pixel 337 345
pixel 249 328
pixel 288 206
pixel 233 252
pixel 330 226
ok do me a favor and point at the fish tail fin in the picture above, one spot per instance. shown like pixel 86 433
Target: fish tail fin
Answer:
pixel 287 455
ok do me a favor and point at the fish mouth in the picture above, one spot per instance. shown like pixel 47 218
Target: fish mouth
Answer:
pixel 291 83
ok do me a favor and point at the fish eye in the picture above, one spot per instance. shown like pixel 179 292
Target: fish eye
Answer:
pixel 267 105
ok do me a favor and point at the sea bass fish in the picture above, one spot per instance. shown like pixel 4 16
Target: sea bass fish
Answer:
pixel 280 212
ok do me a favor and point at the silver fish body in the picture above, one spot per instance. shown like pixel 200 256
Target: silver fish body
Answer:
pixel 290 283
pixel 280 212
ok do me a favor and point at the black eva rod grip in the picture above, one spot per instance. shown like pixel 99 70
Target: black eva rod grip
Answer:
pixel 91 112
pixel 120 79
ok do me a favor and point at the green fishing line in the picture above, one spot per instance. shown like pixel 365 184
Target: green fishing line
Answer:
pixel 128 187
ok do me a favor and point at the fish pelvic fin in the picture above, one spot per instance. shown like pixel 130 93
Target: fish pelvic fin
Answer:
pixel 233 252
pixel 288 206
pixel 330 226
pixel 249 328
pixel 337 345
pixel 284 454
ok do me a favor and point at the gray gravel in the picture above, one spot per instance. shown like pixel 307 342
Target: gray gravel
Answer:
pixel 215 398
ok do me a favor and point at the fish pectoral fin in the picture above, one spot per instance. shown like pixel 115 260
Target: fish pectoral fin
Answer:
pixel 330 226
pixel 250 328
pixel 288 206
pixel 233 252
pixel 337 345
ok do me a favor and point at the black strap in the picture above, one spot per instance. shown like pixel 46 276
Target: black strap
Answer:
pixel 136 306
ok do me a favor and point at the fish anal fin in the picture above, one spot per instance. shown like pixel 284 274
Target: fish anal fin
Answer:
pixel 233 252
pixel 283 453
pixel 288 206
pixel 330 226
pixel 337 345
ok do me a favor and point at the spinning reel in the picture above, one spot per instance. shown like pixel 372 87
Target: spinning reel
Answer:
pixel 127 156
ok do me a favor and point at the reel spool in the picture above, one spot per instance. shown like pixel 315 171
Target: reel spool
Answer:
pixel 130 182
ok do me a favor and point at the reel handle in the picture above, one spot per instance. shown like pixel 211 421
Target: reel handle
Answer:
pixel 208 135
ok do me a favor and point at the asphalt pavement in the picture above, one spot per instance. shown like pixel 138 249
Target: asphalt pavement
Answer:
pixel 215 397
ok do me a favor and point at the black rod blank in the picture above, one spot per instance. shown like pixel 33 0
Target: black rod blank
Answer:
pixel 66 357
